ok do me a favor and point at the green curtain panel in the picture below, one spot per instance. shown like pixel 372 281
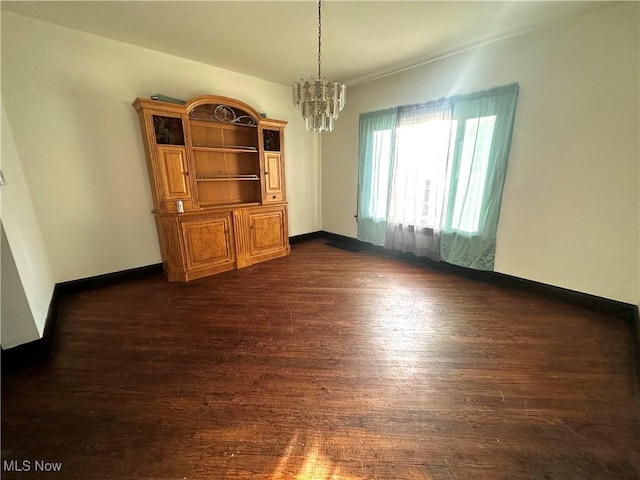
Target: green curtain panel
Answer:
pixel 477 171
pixel 476 142
pixel 375 166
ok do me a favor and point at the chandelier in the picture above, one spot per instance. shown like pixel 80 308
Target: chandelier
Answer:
pixel 319 101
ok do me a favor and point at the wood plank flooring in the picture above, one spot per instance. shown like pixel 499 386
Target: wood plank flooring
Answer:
pixel 327 364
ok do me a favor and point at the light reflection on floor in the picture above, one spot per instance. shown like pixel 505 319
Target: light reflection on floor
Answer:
pixel 308 461
pixel 401 338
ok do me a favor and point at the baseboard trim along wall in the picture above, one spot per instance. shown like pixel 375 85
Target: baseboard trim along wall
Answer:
pixel 305 236
pixel 593 302
pixel 636 331
pixel 33 352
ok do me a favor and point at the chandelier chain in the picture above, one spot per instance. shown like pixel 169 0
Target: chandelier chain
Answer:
pixel 319 35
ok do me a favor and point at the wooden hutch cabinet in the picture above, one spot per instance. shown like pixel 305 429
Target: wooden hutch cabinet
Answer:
pixel 217 178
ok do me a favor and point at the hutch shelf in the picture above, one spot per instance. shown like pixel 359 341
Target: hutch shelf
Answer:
pixel 217 178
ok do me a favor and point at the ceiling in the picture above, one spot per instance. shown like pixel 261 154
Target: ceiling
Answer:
pixel 278 41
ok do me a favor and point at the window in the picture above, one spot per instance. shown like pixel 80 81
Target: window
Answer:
pixel 474 164
pixel 431 176
pixel 421 158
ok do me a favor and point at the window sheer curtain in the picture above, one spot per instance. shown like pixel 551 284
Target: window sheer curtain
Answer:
pixel 375 164
pixel 478 169
pixel 431 176
pixel 423 142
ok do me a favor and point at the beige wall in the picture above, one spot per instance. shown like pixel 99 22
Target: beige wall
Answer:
pixel 68 99
pixel 27 283
pixel 571 207
pixel 17 323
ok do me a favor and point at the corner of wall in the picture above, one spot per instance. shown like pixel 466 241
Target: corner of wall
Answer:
pixel 28 288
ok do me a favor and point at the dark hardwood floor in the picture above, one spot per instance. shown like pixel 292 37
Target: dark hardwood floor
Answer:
pixel 326 364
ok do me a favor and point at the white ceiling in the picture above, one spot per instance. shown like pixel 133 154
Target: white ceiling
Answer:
pixel 277 41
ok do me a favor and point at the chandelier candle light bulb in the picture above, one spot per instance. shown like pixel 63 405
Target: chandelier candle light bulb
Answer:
pixel 319 101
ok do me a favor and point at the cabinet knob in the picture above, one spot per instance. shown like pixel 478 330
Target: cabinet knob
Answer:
pixel 266 173
pixel 186 174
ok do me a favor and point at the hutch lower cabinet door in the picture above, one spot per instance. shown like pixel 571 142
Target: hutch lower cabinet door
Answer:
pixel 208 242
pixel 262 233
pixel 195 246
pixel 268 232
